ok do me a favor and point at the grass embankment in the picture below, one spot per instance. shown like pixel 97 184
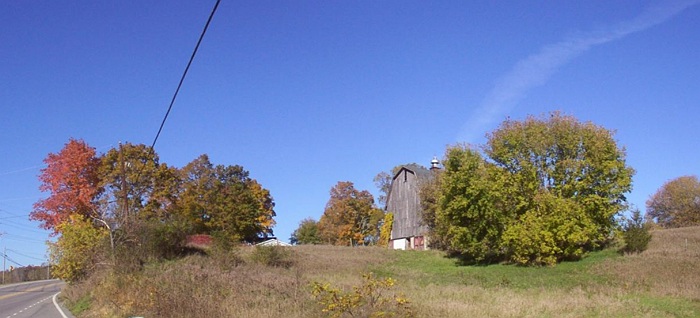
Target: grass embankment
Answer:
pixel 664 281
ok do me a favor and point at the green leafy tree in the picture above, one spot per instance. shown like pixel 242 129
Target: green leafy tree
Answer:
pixel 568 158
pixel 350 216
pixel 430 192
pixel 546 189
pixel 79 249
pixel 306 233
pixel 470 218
pixel 676 203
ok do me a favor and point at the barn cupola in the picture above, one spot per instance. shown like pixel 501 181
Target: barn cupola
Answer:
pixel 434 164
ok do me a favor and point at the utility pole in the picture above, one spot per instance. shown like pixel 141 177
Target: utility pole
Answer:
pixel 125 197
pixel 4 257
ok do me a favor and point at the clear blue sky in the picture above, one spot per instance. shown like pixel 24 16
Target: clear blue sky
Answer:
pixel 305 94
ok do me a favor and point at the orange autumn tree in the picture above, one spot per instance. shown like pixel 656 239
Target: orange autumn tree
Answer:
pixel 71 178
pixel 350 217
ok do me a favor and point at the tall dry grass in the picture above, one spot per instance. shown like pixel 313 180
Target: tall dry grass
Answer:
pixel 226 285
pixel 669 267
pixel 663 281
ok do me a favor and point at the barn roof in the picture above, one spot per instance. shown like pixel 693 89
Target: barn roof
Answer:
pixel 420 171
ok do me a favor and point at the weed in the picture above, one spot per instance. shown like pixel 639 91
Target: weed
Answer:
pixel 276 256
pixel 367 300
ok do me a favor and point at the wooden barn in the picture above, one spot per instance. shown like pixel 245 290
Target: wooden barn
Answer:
pixel 403 200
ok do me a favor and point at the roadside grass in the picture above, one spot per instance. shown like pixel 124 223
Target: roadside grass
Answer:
pixel 81 305
pixel 663 281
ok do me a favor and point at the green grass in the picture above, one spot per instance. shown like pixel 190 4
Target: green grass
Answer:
pixel 432 267
pixel 589 277
pixel 81 305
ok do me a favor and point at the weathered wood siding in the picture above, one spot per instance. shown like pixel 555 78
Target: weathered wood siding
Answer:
pixel 404 201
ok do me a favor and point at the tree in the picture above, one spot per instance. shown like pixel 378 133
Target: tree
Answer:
pixel 71 177
pixel 568 158
pixel 350 216
pixel 545 189
pixel 383 182
pixel 636 233
pixel 468 217
pixel 134 180
pixel 225 201
pixel 79 248
pixel 306 233
pixel 676 203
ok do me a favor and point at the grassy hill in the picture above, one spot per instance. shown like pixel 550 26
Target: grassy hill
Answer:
pixel 664 281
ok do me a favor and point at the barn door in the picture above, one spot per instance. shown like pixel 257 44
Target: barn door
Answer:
pixel 418 243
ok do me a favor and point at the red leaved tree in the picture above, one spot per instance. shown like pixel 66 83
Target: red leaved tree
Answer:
pixel 72 180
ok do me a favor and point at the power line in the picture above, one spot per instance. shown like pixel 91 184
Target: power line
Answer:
pixel 11 260
pixel 27 256
pixel 182 79
pixel 179 85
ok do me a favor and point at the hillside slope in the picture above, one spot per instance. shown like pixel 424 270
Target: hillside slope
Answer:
pixel 664 281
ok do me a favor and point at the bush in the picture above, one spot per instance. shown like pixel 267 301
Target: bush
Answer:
pixel 554 230
pixel 147 241
pixel 276 256
pixel 636 234
pixel 367 300
pixel 78 250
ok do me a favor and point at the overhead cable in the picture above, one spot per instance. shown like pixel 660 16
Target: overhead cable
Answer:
pixel 182 79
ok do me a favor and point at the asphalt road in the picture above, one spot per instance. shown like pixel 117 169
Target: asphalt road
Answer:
pixel 31 299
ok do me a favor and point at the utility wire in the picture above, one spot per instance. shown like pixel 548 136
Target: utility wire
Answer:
pixel 182 79
pixel 179 85
pixel 12 261
pixel 27 256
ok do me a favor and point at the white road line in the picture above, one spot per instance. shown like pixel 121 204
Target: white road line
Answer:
pixel 60 311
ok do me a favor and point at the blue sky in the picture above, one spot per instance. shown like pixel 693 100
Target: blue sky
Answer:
pixel 304 94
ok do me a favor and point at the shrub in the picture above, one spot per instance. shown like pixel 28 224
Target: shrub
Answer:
pixel 367 300
pixel 276 256
pixel 636 234
pixel 554 230
pixel 78 250
pixel 226 260
pixel 385 230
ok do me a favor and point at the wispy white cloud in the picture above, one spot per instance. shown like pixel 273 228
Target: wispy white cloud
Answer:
pixel 536 69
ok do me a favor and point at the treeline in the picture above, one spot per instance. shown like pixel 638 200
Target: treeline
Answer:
pixel 124 207
pixel 26 274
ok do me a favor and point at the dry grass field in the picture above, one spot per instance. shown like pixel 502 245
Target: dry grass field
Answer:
pixel 663 281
